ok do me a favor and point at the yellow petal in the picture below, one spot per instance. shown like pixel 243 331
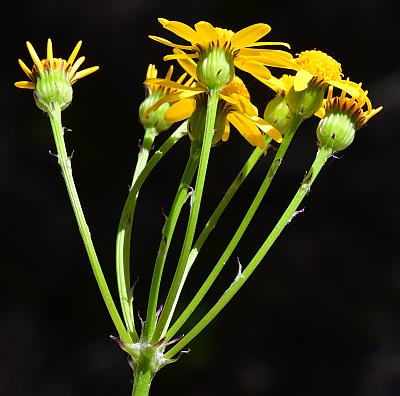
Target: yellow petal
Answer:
pixel 354 91
pixel 76 66
pixel 182 30
pixel 49 50
pixel 268 129
pixel 227 131
pixel 84 73
pixel 34 56
pixel 187 64
pixel 261 43
pixel 172 84
pixel 249 35
pixel 74 53
pixel 180 56
pixel 169 73
pixel 180 110
pixel 206 30
pixel 25 84
pixel 320 113
pixel 256 69
pixel 301 80
pixel 171 98
pixel 25 68
pixel 170 43
pixel 247 128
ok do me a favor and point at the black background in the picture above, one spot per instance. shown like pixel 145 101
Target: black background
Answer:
pixel 320 316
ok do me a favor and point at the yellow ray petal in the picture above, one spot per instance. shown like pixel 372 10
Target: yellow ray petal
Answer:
pixel 49 50
pixel 206 30
pixel 249 35
pixel 180 56
pixel 268 129
pixel 320 113
pixel 354 91
pixel 169 73
pixel 187 64
pixel 76 66
pixel 84 73
pixel 170 43
pixel 180 110
pixel 256 69
pixel 261 52
pixel 182 30
pixel 181 78
pixel 171 98
pixel 301 80
pixel 25 84
pixel 227 131
pixel 34 56
pixel 261 43
pixel 74 53
pixel 172 84
pixel 25 68
pixel 247 129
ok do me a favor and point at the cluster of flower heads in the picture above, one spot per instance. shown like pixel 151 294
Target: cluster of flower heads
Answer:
pixel 209 60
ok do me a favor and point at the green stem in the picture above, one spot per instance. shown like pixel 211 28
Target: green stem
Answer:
pixel 181 270
pixel 142 382
pixel 181 196
pixel 126 221
pixel 122 258
pixel 322 156
pixel 66 169
pixel 240 230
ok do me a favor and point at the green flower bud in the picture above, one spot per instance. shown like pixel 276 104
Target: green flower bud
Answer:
pixel 155 118
pixel 53 87
pixel 215 68
pixel 306 102
pixel 337 129
pixel 277 113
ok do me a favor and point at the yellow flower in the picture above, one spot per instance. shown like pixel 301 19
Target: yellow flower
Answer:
pixel 42 66
pixel 352 106
pixel 234 108
pixel 52 78
pixel 318 68
pixel 153 116
pixel 341 116
pixel 232 49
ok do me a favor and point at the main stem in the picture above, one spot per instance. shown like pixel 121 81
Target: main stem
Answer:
pixel 142 382
pixel 240 230
pixel 322 156
pixel 66 169
pixel 182 268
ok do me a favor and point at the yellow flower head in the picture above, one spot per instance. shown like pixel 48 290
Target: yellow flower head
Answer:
pixel 341 116
pixel 219 50
pixel 153 116
pixel 234 108
pixel 318 68
pixel 51 78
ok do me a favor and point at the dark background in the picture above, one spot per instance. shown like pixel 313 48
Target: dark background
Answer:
pixel 321 316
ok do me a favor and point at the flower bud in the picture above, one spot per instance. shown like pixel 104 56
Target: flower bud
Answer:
pixel 53 88
pixel 337 130
pixel 306 102
pixel 277 113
